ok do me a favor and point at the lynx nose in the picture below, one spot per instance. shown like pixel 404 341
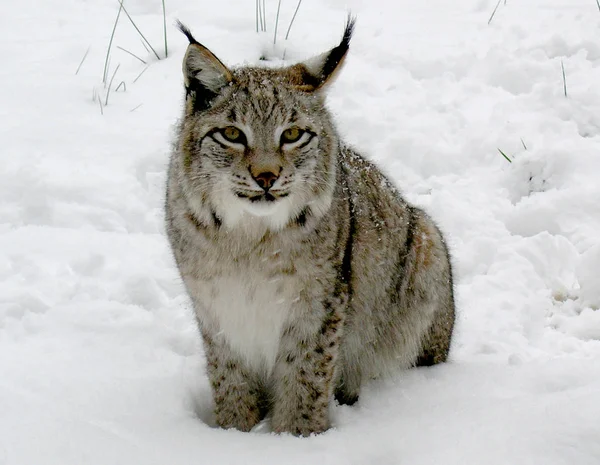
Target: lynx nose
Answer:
pixel 266 179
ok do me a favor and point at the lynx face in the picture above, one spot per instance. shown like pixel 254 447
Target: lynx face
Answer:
pixel 257 143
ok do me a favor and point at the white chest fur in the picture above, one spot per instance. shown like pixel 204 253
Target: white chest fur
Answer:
pixel 248 311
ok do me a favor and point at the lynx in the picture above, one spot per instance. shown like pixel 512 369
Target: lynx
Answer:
pixel 308 272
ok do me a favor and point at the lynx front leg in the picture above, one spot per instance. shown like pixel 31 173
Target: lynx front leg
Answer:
pixel 304 374
pixel 237 393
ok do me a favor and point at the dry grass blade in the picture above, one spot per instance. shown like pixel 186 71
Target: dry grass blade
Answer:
pixel 138 29
pixel 562 65
pixel 110 84
pixel 131 53
pixel 598 3
pixel 494 12
pixel 83 59
pixel 133 109
pixel 112 35
pixel 140 75
pixel 165 28
pixel 293 18
pixel 145 46
pixel 276 22
pixel 122 83
pixel 523 142
pixel 101 109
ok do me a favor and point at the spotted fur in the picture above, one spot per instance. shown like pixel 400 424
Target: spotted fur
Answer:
pixel 308 272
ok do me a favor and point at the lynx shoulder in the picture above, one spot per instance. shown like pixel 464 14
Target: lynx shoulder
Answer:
pixel 308 272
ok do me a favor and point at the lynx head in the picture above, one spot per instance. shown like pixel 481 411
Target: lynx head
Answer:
pixel 258 143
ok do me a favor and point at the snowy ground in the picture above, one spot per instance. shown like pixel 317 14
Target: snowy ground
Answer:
pixel 100 361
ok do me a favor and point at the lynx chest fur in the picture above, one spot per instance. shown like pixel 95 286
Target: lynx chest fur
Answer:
pixel 246 305
pixel 308 272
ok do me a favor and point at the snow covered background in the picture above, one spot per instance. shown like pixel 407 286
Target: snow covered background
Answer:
pixel 100 361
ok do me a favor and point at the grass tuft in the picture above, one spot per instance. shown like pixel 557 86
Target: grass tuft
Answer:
pixel 505 156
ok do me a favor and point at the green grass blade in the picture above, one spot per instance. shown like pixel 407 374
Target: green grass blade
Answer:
pixel 504 155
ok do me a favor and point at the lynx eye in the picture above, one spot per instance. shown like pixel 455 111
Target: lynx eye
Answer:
pixel 233 134
pixel 291 135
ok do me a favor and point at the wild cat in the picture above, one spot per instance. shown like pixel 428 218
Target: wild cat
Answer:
pixel 308 272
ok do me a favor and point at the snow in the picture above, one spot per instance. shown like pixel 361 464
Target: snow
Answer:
pixel 100 359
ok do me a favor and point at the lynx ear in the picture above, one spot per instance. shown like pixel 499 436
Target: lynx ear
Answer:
pixel 204 74
pixel 321 70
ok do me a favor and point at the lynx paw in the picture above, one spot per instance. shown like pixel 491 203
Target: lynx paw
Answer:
pixel 241 417
pixel 300 424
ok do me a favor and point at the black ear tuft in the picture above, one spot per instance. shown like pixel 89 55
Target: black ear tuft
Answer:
pixel 337 54
pixel 186 31
pixel 204 74
pixel 319 71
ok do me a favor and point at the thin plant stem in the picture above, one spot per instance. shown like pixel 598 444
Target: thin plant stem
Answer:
pixel 110 84
pixel 145 46
pixel 107 69
pixel 293 18
pixel 112 35
pixel 138 29
pixel 504 155
pixel 523 142
pixel 132 54
pixel 598 3
pixel 122 83
pixel 264 15
pixel 494 12
pixel 140 75
pixel 562 65
pixel 165 28
pixel 276 22
pixel 133 109
pixel 83 59
pixel 101 109
pixel 257 16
